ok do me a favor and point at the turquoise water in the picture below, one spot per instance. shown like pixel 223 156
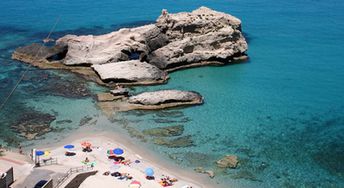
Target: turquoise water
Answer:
pixel 281 112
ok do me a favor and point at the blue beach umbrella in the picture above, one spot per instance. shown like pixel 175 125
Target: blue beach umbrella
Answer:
pixel 39 152
pixel 118 151
pixel 69 146
pixel 149 172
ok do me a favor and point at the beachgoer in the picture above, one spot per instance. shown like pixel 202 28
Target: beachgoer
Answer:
pixel 87 160
pixel 20 150
pixel 164 12
pixel 3 175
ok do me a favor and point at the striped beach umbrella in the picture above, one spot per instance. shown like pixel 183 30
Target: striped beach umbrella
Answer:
pixel 135 184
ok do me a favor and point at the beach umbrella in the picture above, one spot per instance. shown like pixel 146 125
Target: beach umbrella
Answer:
pixel 118 151
pixel 149 172
pixel 135 184
pixel 69 146
pixel 39 152
pixel 109 152
pixel 46 153
pixel 86 144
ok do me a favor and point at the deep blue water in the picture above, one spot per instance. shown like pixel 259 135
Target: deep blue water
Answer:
pixel 282 112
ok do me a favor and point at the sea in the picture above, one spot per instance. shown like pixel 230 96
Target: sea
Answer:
pixel 281 112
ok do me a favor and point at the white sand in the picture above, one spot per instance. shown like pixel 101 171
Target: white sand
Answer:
pixel 100 144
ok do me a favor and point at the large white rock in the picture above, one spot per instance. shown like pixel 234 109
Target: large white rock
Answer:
pixel 165 97
pixel 111 47
pixel 198 22
pixel 132 71
pixel 202 35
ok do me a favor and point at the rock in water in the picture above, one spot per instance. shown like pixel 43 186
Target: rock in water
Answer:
pixel 203 36
pixel 166 97
pixel 229 161
pixel 33 124
pixel 36 52
pixel 165 131
pixel 111 47
pixel 120 92
pixel 133 71
pixel 180 142
pixel 103 97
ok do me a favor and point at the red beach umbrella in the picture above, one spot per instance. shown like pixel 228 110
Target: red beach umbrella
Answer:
pixel 135 184
pixel 86 144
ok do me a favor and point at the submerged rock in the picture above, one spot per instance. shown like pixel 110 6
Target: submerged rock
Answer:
pixel 244 174
pixel 162 97
pixel 85 120
pixel 229 161
pixel 201 170
pixel 165 131
pixel 102 97
pixel 64 121
pixel 33 124
pixel 133 71
pixel 70 89
pixel 180 142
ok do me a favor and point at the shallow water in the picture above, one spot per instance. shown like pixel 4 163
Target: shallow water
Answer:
pixel 281 112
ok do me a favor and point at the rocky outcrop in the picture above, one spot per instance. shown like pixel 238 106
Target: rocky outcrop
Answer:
pixel 154 100
pixel 120 92
pixel 143 55
pixel 108 48
pixel 46 57
pixel 201 37
pixel 36 52
pixel 175 41
pixel 134 72
pixel 199 22
pixel 166 97
pixel 229 161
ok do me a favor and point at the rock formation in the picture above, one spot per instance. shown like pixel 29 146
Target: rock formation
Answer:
pixel 201 170
pixel 175 41
pixel 108 48
pixel 120 92
pixel 166 97
pixel 132 71
pixel 229 161
pixel 196 37
pixel 152 101
pixel 143 55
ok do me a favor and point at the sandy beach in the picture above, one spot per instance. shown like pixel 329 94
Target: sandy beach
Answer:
pixel 26 175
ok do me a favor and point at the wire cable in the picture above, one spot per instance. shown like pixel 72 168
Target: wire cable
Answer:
pixel 27 68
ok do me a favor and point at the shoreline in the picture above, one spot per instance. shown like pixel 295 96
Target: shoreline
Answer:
pixel 130 147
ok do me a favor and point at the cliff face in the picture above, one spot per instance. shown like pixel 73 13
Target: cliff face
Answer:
pixel 196 37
